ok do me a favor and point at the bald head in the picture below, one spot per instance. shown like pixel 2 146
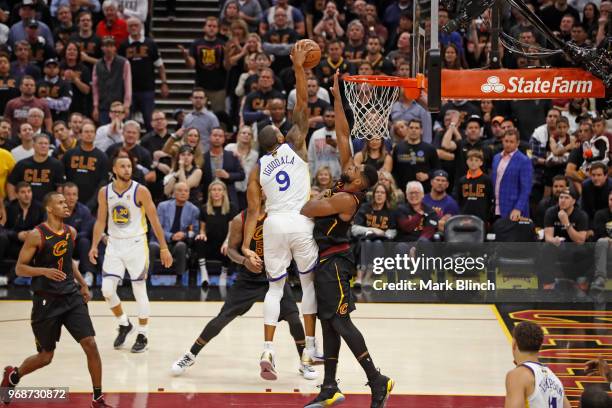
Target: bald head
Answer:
pixel 268 138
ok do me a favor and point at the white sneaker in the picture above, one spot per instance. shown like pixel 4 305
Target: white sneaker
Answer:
pixel 317 356
pixel 181 365
pixel 308 372
pixel 89 279
pixel 266 364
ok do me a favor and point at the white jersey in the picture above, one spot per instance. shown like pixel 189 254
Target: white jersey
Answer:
pixel 548 390
pixel 126 219
pixel 285 180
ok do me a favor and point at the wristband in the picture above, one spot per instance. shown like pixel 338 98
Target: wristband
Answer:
pixel 164 249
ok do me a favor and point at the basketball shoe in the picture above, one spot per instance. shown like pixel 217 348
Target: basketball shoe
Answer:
pixel 6 384
pixel 329 396
pixel 308 372
pixel 123 333
pixel 100 403
pixel 266 364
pixel 381 388
pixel 181 364
pixel 140 345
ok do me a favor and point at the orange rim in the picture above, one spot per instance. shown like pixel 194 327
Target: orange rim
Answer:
pixel 386 80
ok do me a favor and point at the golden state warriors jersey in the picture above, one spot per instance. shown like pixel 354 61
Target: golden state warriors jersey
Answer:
pixel 126 219
pixel 285 179
pixel 548 391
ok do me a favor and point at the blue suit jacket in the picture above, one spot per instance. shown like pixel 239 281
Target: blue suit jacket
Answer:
pixel 189 216
pixel 516 184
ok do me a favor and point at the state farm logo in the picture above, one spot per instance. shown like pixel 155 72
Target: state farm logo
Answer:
pixel 493 85
pixel 537 86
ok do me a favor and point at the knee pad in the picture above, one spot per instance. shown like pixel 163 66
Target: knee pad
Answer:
pixel 309 299
pixel 109 291
pixel 142 299
pixel 272 302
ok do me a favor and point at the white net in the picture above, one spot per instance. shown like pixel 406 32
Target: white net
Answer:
pixel 371 105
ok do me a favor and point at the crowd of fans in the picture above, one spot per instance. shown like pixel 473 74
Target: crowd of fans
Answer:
pixel 78 87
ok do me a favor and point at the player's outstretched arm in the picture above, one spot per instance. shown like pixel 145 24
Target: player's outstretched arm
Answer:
pixel 254 204
pixel 99 226
pixel 28 250
pixel 143 196
pixel 234 243
pixel 342 126
pixel 341 204
pixel 297 134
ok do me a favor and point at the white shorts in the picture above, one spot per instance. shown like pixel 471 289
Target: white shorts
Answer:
pixel 280 246
pixel 126 253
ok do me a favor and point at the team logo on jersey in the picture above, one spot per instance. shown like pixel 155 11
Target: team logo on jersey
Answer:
pixel 343 309
pixel 60 248
pixel 120 215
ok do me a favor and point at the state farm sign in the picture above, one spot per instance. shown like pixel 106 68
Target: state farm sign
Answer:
pixel 520 84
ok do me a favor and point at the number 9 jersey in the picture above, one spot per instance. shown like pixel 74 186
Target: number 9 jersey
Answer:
pixel 285 179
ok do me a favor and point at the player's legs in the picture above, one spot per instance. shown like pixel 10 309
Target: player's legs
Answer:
pixel 136 259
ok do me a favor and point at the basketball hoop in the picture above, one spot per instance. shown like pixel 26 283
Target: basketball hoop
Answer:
pixel 371 98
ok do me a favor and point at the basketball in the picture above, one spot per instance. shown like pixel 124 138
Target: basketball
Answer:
pixel 314 53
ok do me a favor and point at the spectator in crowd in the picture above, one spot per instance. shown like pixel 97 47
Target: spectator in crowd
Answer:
pixel 599 129
pixel 111 81
pixel 334 61
pixel 329 26
pixel 82 220
pixel 91 5
pixel 64 29
pixel 36 118
pixel 322 150
pixel 43 173
pixel 134 9
pixel 590 17
pixel 245 150
pixel 455 143
pixel 191 137
pixel 111 133
pixel 403 52
pixel 373 26
pixel 355 48
pixel 56 91
pixel 7 163
pixel 474 191
pixel 414 159
pixel 407 109
pixel 602 225
pixel 295 18
pixel 201 118
pixel 595 189
pixel 375 57
pixel 405 26
pixel 375 154
pixel 211 242
pixel 564 226
pixel 223 165
pixel 65 141
pixel 512 176
pixel 438 200
pixel 592 148
pixel 179 219
pixel 415 220
pixel 78 76
pixel 206 55
pixel 27 14
pixel 131 137
pixel 531 113
pixel 23 214
pixel 551 16
pixel 90 45
pixel 144 57
pixel 277 117
pixel 23 64
pixel 248 10
pixel 560 183
pixel 256 103
pixel 374 223
pixel 8 82
pixel 17 109
pixel 386 178
pixel 560 144
pixel 316 106
pixel 87 167
pixel 280 34
pixel 26 148
pixel 540 146
pixel 112 25
pixel 184 171
pixel 453 59
pixel 75 124
pixel 154 142
pixel 448 38
pixel 5 135
pixel 393 11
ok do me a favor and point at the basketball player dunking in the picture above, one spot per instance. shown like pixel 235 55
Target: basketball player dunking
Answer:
pixel 127 205
pixel 46 256
pixel 531 381
pixel 333 215
pixel 284 177
pixel 250 287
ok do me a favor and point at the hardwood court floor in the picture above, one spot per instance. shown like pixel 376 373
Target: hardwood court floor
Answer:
pixel 432 351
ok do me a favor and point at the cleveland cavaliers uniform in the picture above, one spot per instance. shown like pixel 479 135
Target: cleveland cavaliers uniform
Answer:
pixel 548 391
pixel 285 180
pixel 336 264
pixel 57 303
pixel 127 235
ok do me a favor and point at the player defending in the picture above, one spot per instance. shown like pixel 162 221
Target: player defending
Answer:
pixel 284 177
pixel 46 256
pixel 250 287
pixel 333 216
pixel 127 204
pixel 531 381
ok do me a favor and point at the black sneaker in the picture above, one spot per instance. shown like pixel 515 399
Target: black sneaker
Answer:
pixel 123 333
pixel 329 396
pixel 140 344
pixel 381 388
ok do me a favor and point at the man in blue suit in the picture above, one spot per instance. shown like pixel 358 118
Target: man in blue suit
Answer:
pixel 177 217
pixel 512 172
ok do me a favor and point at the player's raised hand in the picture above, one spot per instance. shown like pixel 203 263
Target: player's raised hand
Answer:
pixel 166 257
pixel 54 274
pixel 298 54
pixel 336 87
pixel 93 255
